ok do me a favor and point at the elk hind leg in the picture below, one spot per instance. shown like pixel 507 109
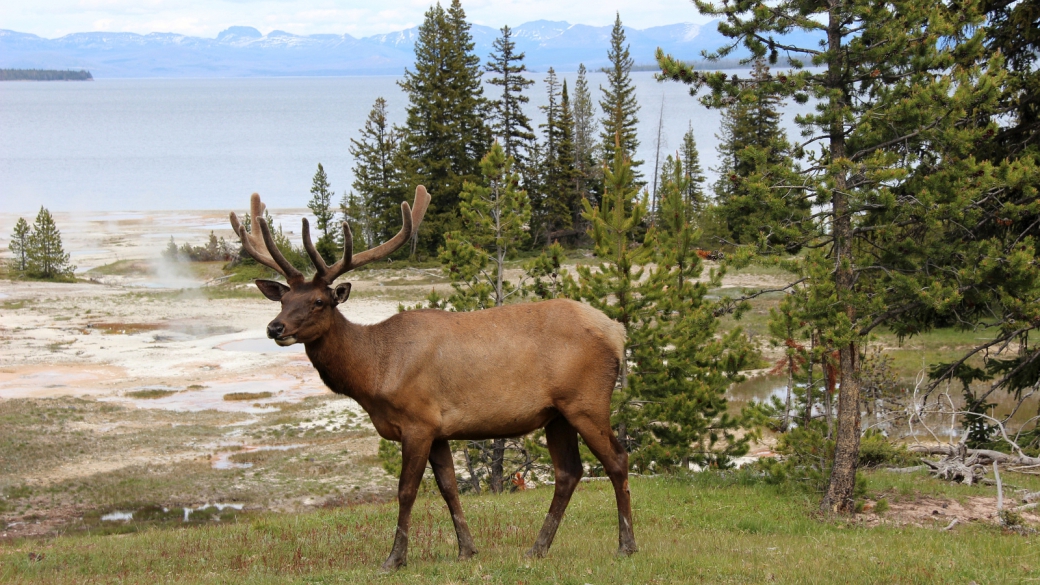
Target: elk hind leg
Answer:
pixel 415 452
pixel 444 471
pixel 604 445
pixel 562 440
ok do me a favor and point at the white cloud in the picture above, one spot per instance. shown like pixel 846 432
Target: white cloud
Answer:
pixel 52 18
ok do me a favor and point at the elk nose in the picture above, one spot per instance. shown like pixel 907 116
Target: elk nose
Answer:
pixel 275 329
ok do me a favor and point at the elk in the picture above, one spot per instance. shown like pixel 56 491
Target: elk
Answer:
pixel 426 377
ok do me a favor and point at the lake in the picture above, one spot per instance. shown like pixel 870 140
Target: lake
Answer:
pixel 177 144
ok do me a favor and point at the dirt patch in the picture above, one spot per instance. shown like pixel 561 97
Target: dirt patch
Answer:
pixel 939 513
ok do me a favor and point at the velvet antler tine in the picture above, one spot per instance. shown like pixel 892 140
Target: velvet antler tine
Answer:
pixel 422 202
pixel 390 246
pixel 321 269
pixel 288 270
pixel 253 242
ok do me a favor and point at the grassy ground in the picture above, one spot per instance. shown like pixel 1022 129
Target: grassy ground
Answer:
pixel 705 528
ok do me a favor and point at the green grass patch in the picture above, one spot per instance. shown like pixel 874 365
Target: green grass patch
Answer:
pixel 709 528
pixel 150 393
pixel 122 268
pixel 243 396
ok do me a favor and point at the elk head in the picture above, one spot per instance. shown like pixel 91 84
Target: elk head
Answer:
pixel 307 306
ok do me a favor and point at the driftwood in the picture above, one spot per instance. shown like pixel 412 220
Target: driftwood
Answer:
pixel 983 456
pixel 950 468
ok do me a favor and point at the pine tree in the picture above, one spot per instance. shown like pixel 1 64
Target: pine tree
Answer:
pixel 614 286
pixel 20 245
pixel 693 186
pixel 358 214
pixel 376 181
pixel 510 126
pixel 557 197
pixel 585 150
pixel 898 90
pixel 682 367
pixel 495 213
pixel 619 104
pixel 46 258
pixel 321 206
pixel 755 156
pixel 445 135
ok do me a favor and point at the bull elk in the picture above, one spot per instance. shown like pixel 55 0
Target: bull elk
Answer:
pixel 426 377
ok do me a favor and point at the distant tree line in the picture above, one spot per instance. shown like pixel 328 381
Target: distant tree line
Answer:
pixel 44 75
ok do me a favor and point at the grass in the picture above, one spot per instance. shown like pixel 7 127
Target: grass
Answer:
pixel 151 393
pixel 233 396
pixel 707 528
pixel 122 268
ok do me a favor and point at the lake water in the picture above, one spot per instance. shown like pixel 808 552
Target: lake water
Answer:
pixel 158 144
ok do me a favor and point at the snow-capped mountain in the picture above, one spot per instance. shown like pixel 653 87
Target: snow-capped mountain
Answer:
pixel 243 51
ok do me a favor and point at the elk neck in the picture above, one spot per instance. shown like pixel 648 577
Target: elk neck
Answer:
pixel 346 358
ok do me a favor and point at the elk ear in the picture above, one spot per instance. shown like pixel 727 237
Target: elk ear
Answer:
pixel 271 289
pixel 342 292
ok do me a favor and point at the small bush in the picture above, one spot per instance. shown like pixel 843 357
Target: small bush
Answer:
pixel 881 506
pixel 390 457
pixel 875 450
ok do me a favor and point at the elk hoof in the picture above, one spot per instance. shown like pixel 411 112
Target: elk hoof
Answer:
pixel 465 555
pixel 627 550
pixel 393 563
pixel 536 552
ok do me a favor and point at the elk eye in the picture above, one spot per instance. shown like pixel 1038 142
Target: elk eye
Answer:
pixel 319 302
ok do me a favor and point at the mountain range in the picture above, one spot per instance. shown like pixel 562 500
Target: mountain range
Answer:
pixel 243 51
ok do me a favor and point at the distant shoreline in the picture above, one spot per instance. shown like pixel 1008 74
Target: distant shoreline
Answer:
pixel 44 75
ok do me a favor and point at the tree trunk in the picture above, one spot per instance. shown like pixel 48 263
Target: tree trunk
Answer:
pixel 498 452
pixel 839 496
pixel 807 416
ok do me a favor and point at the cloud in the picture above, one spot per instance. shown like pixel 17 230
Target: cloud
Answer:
pixel 52 18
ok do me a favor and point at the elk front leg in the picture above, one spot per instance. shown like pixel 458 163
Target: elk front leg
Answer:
pixel 444 471
pixel 562 440
pixel 415 452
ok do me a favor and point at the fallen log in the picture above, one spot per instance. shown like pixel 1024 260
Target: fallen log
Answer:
pixel 983 456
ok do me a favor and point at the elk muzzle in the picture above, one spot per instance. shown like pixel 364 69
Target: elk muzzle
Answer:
pixel 276 331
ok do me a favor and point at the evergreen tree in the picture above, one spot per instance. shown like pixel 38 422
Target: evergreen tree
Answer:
pixel 321 206
pixel 614 286
pixel 619 104
pixel 557 197
pixel 445 135
pixel 898 89
pixel 585 154
pixel 755 156
pixel 509 124
pixel 495 213
pixel 20 245
pixel 45 256
pixel 376 182
pixel 358 214
pixel 693 185
pixel 682 367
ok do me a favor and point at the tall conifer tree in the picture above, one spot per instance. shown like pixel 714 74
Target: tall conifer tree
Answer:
pixel 445 136
pixel 376 182
pixel 509 124
pixel 324 213
pixel 585 148
pixel 46 256
pixel 20 245
pixel 557 198
pixel 619 104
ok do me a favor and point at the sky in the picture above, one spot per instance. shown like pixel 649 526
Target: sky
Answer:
pixel 360 18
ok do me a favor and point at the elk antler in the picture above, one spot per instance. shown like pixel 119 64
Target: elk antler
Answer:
pixel 253 242
pixel 411 217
